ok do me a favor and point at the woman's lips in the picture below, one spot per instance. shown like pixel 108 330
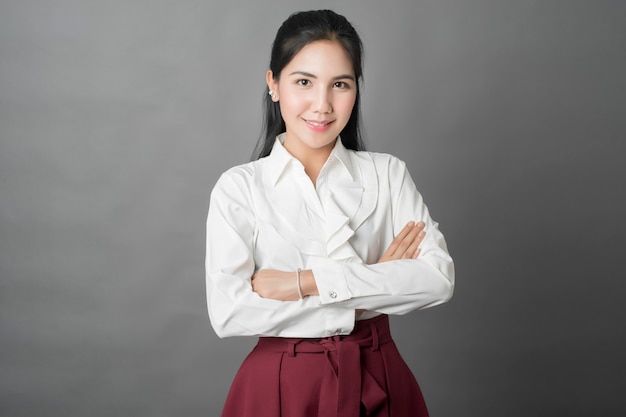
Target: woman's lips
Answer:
pixel 318 125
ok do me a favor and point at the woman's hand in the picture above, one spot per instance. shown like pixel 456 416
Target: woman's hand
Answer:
pixel 406 244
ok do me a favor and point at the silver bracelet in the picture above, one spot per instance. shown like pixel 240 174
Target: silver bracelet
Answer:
pixel 298 283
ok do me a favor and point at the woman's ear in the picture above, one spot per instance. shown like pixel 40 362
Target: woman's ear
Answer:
pixel 272 84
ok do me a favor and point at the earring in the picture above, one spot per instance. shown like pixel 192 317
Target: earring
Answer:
pixel 272 95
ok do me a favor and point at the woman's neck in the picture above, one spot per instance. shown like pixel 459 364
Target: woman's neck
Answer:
pixel 313 159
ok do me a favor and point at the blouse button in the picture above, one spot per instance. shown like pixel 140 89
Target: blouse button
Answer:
pixel 333 295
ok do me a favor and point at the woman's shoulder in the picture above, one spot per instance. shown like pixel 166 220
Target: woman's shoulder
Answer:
pixel 381 161
pixel 239 177
pixel 242 171
pixel 245 172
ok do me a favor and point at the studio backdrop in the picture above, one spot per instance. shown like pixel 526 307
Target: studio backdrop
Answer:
pixel 117 117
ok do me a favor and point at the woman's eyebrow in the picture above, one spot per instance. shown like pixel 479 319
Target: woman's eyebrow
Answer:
pixel 309 75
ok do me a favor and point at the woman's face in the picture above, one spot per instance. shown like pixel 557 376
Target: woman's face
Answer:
pixel 316 92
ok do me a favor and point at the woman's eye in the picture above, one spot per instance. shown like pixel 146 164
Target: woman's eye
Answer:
pixel 341 84
pixel 303 83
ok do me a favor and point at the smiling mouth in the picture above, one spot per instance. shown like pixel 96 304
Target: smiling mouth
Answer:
pixel 318 123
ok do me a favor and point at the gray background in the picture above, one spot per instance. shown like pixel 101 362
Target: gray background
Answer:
pixel 116 117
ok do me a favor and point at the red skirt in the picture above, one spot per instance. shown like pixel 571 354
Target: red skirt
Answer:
pixel 361 374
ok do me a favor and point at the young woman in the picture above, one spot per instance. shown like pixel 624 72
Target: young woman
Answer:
pixel 313 244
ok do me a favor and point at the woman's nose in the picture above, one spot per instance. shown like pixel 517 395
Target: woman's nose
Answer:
pixel 322 102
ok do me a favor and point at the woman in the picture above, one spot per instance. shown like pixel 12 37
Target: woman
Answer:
pixel 313 244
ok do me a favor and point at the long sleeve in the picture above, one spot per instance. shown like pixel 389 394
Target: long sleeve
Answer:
pixel 394 287
pixel 234 309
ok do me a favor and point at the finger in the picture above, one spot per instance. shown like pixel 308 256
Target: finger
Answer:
pixel 419 238
pixel 398 239
pixel 406 243
pixel 406 230
pixel 410 252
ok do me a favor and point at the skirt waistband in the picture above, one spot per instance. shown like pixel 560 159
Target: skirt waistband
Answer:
pixel 367 333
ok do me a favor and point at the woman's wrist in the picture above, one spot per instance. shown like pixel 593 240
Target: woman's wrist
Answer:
pixel 308 286
pixel 298 285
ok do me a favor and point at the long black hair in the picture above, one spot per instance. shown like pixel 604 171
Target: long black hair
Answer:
pixel 296 32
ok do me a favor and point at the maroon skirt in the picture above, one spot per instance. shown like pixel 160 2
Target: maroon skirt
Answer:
pixel 361 374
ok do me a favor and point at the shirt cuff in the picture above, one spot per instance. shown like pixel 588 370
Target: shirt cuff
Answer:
pixel 331 283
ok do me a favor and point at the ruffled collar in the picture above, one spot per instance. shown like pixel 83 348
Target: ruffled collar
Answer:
pixel 296 213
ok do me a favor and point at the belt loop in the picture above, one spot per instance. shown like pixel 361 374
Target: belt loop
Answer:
pixel 291 349
pixel 374 337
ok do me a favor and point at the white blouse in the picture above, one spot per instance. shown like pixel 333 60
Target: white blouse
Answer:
pixel 267 214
